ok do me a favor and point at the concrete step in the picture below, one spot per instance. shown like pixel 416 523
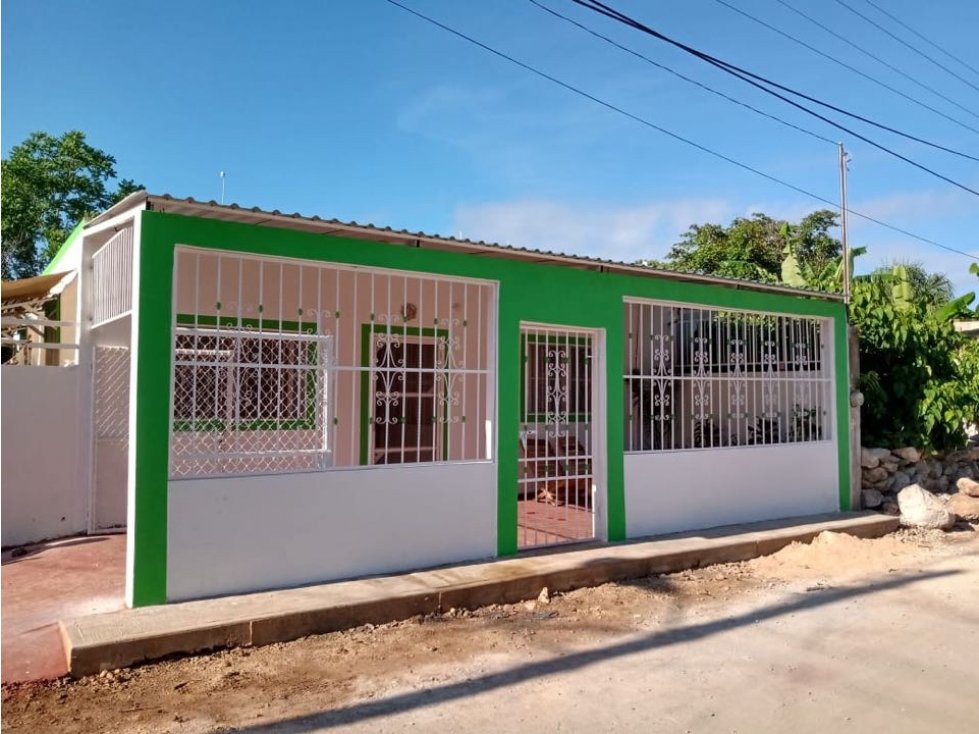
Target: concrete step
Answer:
pixel 119 639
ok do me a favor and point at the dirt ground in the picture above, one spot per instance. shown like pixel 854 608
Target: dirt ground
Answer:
pixel 255 688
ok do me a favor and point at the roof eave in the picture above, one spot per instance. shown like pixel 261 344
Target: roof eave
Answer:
pixel 254 215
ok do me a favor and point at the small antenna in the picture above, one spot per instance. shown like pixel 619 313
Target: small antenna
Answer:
pixel 221 174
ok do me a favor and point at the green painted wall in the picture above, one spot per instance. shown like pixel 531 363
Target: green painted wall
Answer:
pixel 527 292
pixel 69 242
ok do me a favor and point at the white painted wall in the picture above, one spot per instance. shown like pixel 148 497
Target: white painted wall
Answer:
pixel 44 494
pixel 241 534
pixel 674 491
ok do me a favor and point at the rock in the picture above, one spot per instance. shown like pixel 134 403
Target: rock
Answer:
pixel 900 481
pixel 909 453
pixel 965 506
pixel 544 597
pixel 868 460
pixel 921 509
pixel 872 476
pixel 890 466
pixel 879 454
pixel 968 487
pixel 890 507
pixel 872 498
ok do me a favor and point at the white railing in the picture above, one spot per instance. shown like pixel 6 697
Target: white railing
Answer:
pixel 112 278
pixel 702 378
pixel 38 342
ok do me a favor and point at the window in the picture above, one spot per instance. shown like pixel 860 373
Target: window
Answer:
pixel 236 378
pixel 708 378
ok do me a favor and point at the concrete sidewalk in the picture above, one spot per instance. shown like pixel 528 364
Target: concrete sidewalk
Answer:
pixel 118 639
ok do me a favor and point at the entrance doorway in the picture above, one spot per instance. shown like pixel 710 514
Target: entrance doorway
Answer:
pixel 560 419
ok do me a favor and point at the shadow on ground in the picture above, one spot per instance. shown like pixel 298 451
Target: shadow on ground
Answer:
pixel 28 552
pixel 451 691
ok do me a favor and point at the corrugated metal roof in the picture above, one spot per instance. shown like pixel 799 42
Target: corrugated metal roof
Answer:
pixel 276 218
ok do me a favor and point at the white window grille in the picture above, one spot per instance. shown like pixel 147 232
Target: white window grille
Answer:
pixel 709 378
pixel 112 278
pixel 112 394
pixel 283 365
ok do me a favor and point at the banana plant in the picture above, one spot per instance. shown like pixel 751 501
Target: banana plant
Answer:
pixel 803 275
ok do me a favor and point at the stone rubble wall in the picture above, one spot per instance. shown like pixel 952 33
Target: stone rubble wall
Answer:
pixel 886 472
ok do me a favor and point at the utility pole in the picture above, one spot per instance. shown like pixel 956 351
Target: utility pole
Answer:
pixel 844 159
pixel 221 174
pixel 853 350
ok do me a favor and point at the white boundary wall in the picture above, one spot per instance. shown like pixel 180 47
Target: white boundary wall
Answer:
pixel 242 534
pixel 44 492
pixel 674 491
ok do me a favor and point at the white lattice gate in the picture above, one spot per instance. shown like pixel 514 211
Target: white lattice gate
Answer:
pixel 556 485
pixel 111 458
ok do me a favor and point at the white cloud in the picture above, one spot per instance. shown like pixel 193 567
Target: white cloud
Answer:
pixel 617 232
pixel 647 230
pixel 917 205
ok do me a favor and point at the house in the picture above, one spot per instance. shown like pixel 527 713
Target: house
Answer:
pixel 266 400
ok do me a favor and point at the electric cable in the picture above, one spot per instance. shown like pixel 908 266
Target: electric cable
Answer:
pixel 744 75
pixel 669 133
pixel 685 78
pixel 838 109
pixel 847 41
pixel 919 35
pixel 900 40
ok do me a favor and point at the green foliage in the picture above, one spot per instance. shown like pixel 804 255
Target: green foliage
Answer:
pixel 754 248
pixel 919 376
pixel 932 289
pixel 49 184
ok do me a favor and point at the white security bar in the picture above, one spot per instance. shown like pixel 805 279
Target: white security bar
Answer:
pixel 702 378
pixel 283 365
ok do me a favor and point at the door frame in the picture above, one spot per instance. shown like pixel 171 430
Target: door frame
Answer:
pixel 599 418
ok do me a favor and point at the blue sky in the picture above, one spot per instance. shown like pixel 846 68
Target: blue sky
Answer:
pixel 360 111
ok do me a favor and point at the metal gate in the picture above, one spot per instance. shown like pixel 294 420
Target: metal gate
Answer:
pixel 556 482
pixel 111 460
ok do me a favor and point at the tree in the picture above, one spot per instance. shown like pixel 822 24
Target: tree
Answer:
pixel 754 247
pixel 49 184
pixel 919 375
pixel 932 289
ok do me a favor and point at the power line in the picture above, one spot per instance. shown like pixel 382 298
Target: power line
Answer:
pixel 900 40
pixel 787 89
pixel 681 76
pixel 669 133
pixel 852 44
pixel 876 81
pixel 919 35
pixel 744 74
